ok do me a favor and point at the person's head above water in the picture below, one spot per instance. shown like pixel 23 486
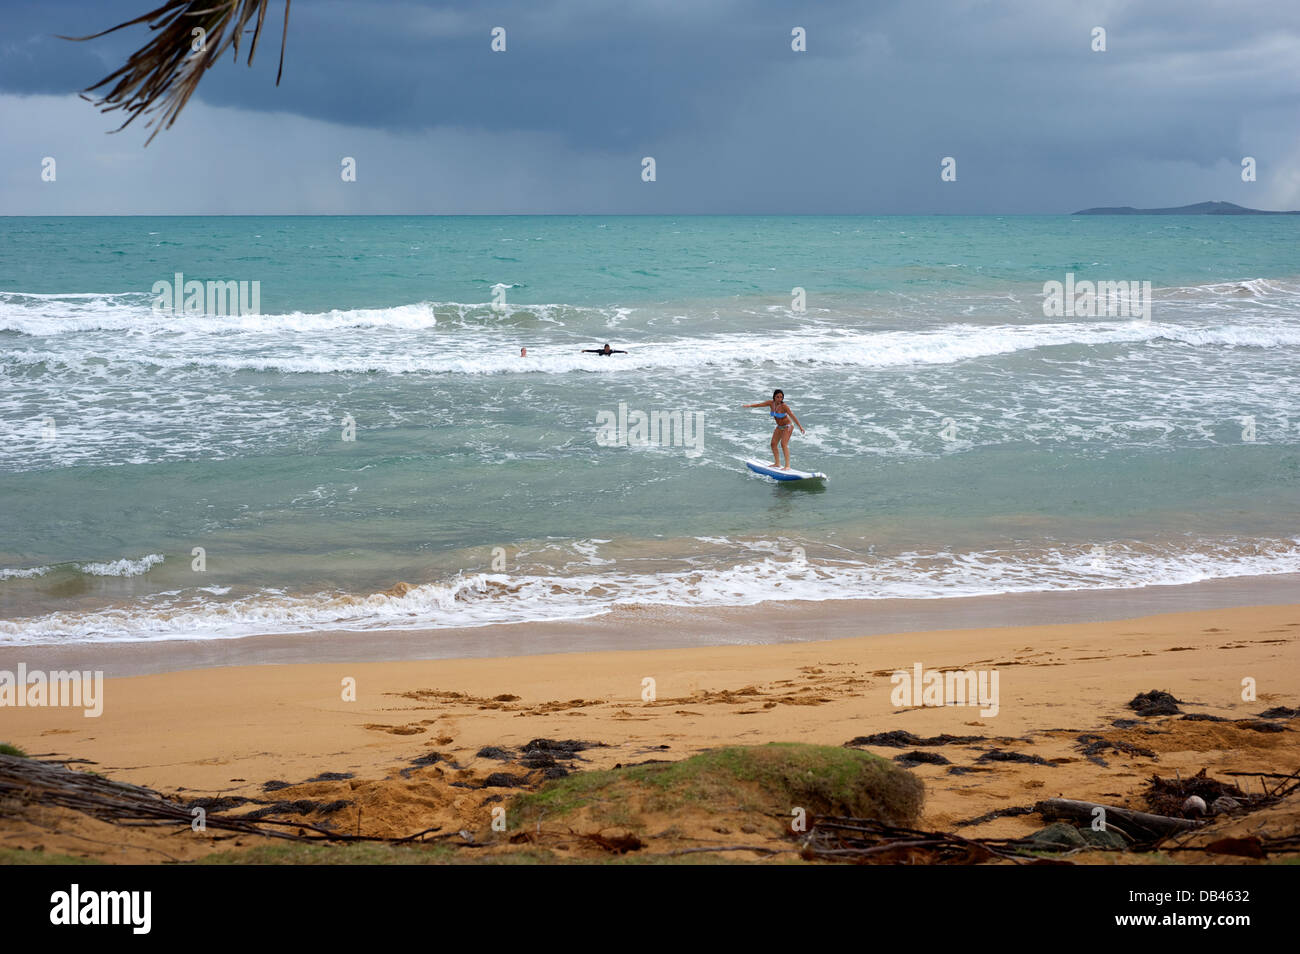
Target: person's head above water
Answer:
pixel 778 395
pixel 606 348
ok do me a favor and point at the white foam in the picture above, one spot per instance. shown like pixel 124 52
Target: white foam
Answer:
pixel 52 315
pixel 123 567
pixel 486 599
pixel 26 573
pixel 487 354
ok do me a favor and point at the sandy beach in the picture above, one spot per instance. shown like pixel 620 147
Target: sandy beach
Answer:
pixel 408 754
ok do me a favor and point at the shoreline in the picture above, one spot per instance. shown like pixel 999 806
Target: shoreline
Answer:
pixel 653 627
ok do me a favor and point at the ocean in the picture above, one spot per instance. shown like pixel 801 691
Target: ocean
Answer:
pixel 166 475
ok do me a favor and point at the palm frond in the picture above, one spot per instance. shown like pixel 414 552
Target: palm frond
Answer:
pixel 164 73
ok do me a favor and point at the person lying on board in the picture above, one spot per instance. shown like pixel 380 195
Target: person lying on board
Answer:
pixel 780 411
pixel 607 350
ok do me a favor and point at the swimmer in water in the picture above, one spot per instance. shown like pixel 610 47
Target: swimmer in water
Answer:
pixel 782 415
pixel 606 351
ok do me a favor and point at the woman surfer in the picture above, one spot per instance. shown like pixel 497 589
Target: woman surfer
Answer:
pixel 782 415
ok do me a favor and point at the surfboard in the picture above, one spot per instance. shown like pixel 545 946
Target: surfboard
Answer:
pixel 779 473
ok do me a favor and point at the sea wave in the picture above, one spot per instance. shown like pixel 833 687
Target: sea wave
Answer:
pixel 489 355
pixel 123 567
pixel 23 573
pixel 472 600
pixel 1242 288
pixel 52 315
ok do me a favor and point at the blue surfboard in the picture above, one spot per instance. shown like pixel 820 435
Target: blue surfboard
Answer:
pixel 781 473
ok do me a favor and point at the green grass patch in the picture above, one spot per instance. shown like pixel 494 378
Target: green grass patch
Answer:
pixel 293 853
pixel 7 749
pixel 365 853
pixel 17 856
pixel 768 779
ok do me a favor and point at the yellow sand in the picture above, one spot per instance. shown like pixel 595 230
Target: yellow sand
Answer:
pixel 230 730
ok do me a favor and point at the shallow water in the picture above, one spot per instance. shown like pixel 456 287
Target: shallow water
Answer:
pixel 973 444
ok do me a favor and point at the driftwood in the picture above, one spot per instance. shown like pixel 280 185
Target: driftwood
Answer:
pixel 47 783
pixel 866 840
pixel 1276 792
pixel 1140 827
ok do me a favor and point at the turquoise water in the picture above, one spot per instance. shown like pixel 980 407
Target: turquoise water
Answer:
pixel 974 445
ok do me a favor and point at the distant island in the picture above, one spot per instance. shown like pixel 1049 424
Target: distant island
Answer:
pixel 1200 208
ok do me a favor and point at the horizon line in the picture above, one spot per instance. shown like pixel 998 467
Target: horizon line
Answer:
pixel 809 215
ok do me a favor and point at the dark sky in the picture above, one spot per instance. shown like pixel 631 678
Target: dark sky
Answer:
pixel 736 121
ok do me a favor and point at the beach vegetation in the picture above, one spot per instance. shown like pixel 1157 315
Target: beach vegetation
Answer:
pixel 371 853
pixel 22 856
pixel 767 780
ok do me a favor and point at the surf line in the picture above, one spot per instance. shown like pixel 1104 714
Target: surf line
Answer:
pixel 636 428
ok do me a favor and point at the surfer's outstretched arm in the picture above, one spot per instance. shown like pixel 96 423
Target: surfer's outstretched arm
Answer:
pixel 759 404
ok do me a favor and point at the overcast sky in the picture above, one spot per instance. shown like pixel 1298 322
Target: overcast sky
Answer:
pixel 736 121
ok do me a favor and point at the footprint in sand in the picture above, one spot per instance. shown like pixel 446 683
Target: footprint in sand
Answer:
pixel 395 729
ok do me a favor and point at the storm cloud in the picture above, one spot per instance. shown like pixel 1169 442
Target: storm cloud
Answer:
pixel 737 121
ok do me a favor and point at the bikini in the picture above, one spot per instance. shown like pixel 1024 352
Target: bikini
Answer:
pixel 778 417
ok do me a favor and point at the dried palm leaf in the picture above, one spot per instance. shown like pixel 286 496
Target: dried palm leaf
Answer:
pixel 164 73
